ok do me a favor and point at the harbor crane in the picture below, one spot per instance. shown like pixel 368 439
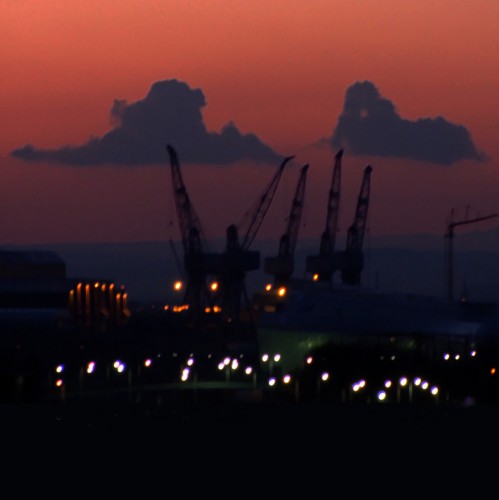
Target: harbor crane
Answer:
pixel 449 244
pixel 322 266
pixel 282 265
pixel 351 261
pixel 194 243
pixel 238 259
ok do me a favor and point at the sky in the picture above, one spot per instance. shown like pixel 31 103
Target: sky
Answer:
pixel 93 91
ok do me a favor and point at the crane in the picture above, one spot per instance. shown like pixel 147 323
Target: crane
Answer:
pixel 237 258
pixel 282 266
pixel 351 261
pixel 449 237
pixel 323 265
pixel 193 240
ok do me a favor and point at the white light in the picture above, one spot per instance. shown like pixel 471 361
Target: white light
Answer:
pixel 309 360
pixel 434 390
pixel 234 364
pixel 446 356
pixel 90 367
pixel 403 381
pixel 185 374
pixel 324 376
pixel 226 361
pixel 381 395
pixel 457 356
pixel 388 383
pixel 425 385
pixel 265 357
pixel 277 357
pixel 147 362
pixel 190 361
pixel 417 380
pixel 120 367
pixel 272 381
pixel 221 365
pixel 286 379
pixel 248 370
pixel 59 368
pixel 473 354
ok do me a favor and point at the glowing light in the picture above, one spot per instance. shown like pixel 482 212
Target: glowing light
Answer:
pixel 59 382
pixel 265 357
pixel 388 383
pixel 226 361
pixel 214 286
pixel 325 376
pixel 456 357
pixel 248 370
pixel 59 368
pixel 234 364
pixel 434 390
pixel 403 381
pixel 492 371
pixel 473 354
pixel 282 291
pixel 185 374
pixel 268 287
pixel 272 381
pixel 315 277
pixel 121 368
pixel 177 286
pixel 286 379
pixel 446 356
pixel 221 365
pixel 309 360
pixel 417 381
pixel 148 362
pixel 277 357
pixel 90 367
pixel 424 385
pixel 381 395
pixel 190 361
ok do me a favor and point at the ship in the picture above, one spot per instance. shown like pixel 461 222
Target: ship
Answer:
pixel 306 318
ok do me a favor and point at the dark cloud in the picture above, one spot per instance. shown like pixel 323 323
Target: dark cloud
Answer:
pixel 370 125
pixel 169 114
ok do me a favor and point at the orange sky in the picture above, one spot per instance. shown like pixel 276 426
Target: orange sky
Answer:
pixel 276 68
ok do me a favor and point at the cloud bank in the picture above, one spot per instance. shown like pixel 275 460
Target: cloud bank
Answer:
pixel 169 114
pixel 370 125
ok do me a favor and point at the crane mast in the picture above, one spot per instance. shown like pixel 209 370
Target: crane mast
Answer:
pixel 352 260
pixel 282 266
pixel 323 265
pixel 449 236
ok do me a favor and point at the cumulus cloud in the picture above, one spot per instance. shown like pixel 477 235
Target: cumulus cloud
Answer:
pixel 370 125
pixel 169 114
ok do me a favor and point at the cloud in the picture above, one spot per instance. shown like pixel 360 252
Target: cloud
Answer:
pixel 370 125
pixel 169 114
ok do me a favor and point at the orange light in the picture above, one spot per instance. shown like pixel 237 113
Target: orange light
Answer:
pixel 268 287
pixel 177 285
pixel 492 371
pixel 214 286
pixel 316 277
pixel 282 291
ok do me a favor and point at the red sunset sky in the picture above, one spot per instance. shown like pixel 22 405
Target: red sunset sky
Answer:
pixel 278 69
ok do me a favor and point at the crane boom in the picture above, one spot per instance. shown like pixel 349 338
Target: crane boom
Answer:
pixel 263 206
pixel 188 221
pixel 449 247
pixel 352 259
pixel 282 266
pixel 356 231
pixel 328 237
pixel 288 240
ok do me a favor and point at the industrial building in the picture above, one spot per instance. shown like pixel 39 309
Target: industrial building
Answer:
pixel 37 296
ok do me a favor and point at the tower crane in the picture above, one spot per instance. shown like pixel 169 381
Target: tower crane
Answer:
pixel 237 258
pixel 193 240
pixel 282 266
pixel 323 265
pixel 449 239
pixel 351 261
